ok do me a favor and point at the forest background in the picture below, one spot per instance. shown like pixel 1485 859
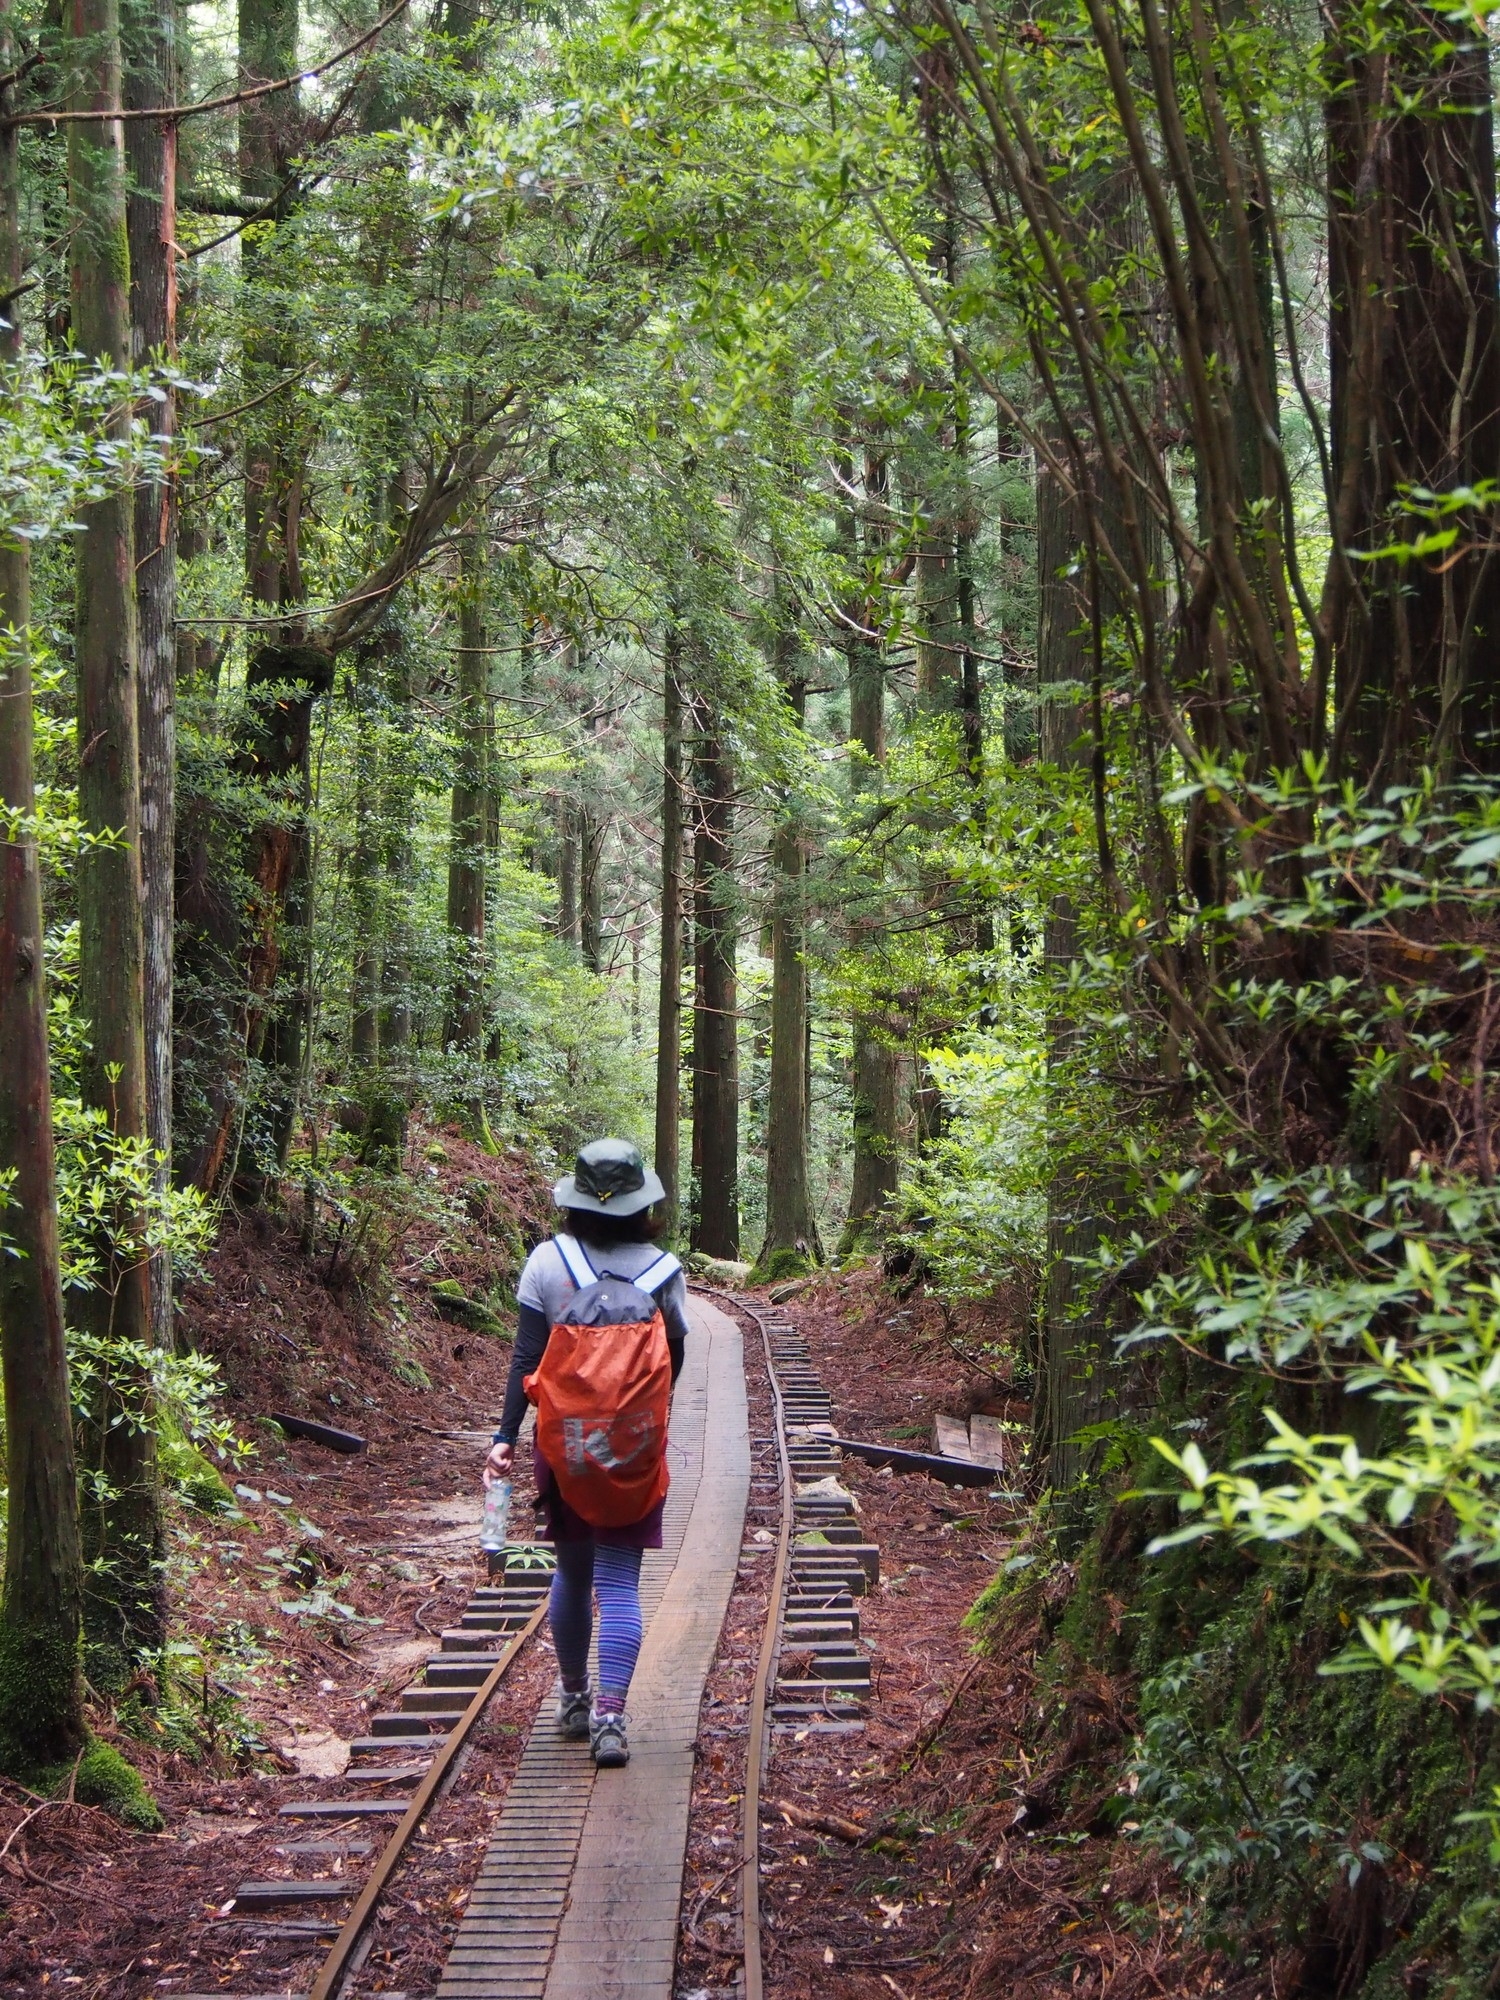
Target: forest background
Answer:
pixel 900 603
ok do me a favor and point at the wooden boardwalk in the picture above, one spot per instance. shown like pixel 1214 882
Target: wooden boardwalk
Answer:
pixel 578 1894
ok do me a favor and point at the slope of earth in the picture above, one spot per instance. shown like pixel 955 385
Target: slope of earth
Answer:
pixel 301 1612
pixel 963 1847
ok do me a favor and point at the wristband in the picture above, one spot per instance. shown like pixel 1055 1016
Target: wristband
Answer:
pixel 501 1438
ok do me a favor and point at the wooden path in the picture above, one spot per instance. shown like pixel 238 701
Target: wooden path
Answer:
pixel 578 1894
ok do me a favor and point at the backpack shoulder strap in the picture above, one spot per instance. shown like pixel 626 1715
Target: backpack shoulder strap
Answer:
pixel 657 1274
pixel 575 1257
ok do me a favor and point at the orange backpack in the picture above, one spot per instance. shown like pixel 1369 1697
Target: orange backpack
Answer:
pixel 603 1390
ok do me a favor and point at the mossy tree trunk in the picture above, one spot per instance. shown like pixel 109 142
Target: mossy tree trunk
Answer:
pixel 151 75
pixel 41 1692
pixel 466 837
pixel 716 1073
pixel 791 1221
pixel 668 1152
pixel 364 866
pixel 876 1065
pixel 124 1530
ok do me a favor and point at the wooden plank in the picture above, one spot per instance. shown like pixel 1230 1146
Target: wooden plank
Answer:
pixel 341 1808
pixel 950 1436
pixel 987 1438
pixel 324 1434
pixel 271 1895
pixel 952 1471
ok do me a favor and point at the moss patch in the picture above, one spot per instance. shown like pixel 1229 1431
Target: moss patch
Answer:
pixel 455 1305
pixel 106 1779
pixel 781 1264
pixel 193 1477
pixel 41 1703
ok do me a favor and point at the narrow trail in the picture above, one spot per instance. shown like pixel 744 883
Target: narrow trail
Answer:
pixel 579 1891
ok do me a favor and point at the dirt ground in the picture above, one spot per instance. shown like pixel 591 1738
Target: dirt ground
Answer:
pixel 971 1862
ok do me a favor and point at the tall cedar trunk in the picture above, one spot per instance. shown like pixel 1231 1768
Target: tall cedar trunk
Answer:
pixel 668 1156
pixel 151 74
pixel 281 684
pixel 877 1070
pixel 124 1529
pixel 41 1692
pixel 1414 346
pixel 398 805
pixel 269 126
pixel 466 839
pixel 1074 1354
pixel 388 1097
pixel 592 830
pixel 876 1163
pixel 791 1222
pixel 364 866
pixel 567 871
pixel 716 1075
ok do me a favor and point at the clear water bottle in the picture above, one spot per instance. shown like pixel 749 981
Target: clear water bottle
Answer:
pixel 496 1517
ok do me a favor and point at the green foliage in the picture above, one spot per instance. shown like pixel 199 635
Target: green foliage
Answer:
pixel 972 1203
pixel 196 1707
pixel 61 444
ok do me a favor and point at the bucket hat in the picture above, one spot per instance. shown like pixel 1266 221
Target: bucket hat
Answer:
pixel 609 1177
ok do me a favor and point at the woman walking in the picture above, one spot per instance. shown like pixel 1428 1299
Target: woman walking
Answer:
pixel 598 1359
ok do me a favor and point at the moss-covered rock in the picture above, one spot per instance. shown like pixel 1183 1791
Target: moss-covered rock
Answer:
pixel 781 1264
pixel 193 1477
pixel 455 1305
pixel 106 1779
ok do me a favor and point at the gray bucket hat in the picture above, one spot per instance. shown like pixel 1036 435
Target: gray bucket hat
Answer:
pixel 610 1177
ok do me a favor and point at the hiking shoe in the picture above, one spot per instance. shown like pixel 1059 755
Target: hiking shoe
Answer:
pixel 608 1741
pixel 573 1707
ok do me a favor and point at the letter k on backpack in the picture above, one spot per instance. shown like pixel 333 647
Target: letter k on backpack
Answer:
pixel 603 1391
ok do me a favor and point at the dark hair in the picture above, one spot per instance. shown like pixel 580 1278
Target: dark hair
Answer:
pixel 605 1231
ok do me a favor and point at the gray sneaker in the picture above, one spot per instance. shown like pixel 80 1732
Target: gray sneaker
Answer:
pixel 573 1713
pixel 608 1741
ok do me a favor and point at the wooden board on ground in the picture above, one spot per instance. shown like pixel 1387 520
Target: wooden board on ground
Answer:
pixel 987 1441
pixel 950 1436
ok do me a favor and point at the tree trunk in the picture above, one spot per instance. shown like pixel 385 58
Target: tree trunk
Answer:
pixel 125 1527
pixel 668 1157
pixel 1074 1358
pixel 1414 344
pixel 593 828
pixel 876 1068
pixel 269 127
pixel 466 850
pixel 364 867
pixel 567 872
pixel 716 1081
pixel 41 1692
pixel 398 808
pixel 791 1223
pixel 151 210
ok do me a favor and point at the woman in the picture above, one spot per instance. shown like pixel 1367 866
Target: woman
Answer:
pixel 607 1205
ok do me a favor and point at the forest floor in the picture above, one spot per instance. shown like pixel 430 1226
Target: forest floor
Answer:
pixel 983 1864
pixel 309 1611
pixel 958 1847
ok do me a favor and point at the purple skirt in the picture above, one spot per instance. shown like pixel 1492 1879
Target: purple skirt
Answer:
pixel 563 1525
